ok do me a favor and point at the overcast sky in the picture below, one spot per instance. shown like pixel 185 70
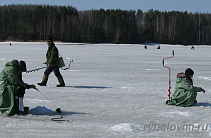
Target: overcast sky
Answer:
pixel 201 6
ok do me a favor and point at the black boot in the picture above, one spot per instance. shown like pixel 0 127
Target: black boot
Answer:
pixel 22 113
pixel 60 85
pixel 41 84
pixel 26 108
pixel 44 81
pixel 16 107
pixel 61 81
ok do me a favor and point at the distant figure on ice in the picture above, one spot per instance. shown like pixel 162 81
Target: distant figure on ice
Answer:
pixel 52 62
pixel 145 47
pixel 192 48
pixel 12 88
pixel 10 44
pixel 185 93
pixel 158 47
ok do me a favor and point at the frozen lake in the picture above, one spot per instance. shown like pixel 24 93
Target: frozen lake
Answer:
pixel 111 91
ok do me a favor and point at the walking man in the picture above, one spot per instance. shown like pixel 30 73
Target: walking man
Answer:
pixel 52 62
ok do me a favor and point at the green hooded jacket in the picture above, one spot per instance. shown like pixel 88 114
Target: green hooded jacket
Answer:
pixel 9 78
pixel 185 93
pixel 52 55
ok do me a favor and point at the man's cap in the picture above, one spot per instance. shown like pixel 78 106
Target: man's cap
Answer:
pixel 22 66
pixel 50 39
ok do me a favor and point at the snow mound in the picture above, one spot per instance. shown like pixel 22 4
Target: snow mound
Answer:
pixel 181 113
pixel 127 87
pixel 177 113
pixel 41 111
pixel 123 127
pixel 152 69
pixel 205 78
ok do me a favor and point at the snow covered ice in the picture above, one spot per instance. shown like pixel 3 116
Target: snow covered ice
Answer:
pixel 112 90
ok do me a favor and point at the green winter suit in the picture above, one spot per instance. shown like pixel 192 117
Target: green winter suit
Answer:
pixel 185 93
pixel 9 78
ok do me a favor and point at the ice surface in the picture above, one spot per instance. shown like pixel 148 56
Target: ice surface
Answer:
pixel 111 91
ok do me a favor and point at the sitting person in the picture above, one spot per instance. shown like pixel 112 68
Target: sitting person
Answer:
pixel 158 47
pixel 12 88
pixel 192 48
pixel 185 93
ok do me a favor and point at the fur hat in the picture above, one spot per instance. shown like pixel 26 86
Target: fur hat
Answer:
pixel 189 71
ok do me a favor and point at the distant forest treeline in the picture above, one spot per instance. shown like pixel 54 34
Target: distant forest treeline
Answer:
pixel 65 23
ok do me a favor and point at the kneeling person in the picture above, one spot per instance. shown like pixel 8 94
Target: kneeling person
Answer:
pixel 12 88
pixel 185 93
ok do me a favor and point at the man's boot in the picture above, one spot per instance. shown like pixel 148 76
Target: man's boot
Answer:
pixel 61 81
pixel 16 105
pixel 44 81
pixel 19 107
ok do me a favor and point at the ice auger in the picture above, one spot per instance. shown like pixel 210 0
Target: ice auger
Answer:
pixel 33 70
pixel 169 95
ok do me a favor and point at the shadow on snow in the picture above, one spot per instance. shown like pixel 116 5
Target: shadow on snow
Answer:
pixel 203 104
pixel 89 87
